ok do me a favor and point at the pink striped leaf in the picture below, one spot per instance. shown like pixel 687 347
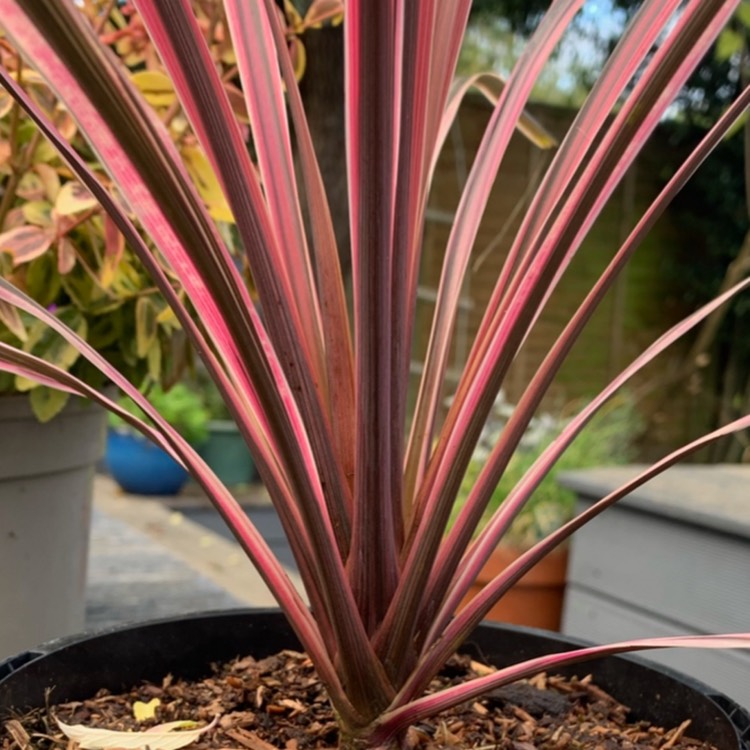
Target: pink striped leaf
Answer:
pixel 333 306
pixel 464 526
pixel 373 38
pixel 207 258
pixel 176 34
pixel 498 524
pixel 493 358
pixel 257 549
pixel 435 505
pixel 462 625
pixel 411 713
pixel 634 46
pixel 463 232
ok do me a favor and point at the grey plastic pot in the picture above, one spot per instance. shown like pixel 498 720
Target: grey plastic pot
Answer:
pixel 46 488
pixel 186 647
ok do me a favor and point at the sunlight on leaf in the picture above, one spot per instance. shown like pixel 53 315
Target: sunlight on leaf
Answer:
pixel 50 179
pixel 162 737
pixel 208 185
pixel 155 86
pixel 73 198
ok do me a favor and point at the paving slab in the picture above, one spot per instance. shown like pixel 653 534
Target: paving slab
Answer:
pixel 133 578
pixel 148 560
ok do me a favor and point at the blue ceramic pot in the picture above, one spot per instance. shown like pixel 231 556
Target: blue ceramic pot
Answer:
pixel 142 468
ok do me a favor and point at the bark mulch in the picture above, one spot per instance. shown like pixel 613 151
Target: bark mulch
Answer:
pixel 277 702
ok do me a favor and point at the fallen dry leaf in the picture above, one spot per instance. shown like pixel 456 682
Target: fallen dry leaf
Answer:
pixel 145 711
pixel 162 737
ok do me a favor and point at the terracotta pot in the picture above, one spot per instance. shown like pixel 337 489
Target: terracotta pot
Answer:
pixel 536 600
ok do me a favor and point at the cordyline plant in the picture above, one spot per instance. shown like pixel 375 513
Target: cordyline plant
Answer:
pixel 364 490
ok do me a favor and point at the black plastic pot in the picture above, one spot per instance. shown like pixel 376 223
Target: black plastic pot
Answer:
pixel 76 668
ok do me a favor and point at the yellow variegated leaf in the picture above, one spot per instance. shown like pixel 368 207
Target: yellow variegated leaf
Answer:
pixel 65 124
pixel 49 345
pixel 73 198
pixel 228 57
pixel 50 179
pixel 14 219
pixel 324 10
pixel 155 86
pixel 299 57
pixel 25 243
pixel 45 153
pixel 162 737
pixel 10 317
pixel 47 403
pixel 4 156
pixel 145 326
pixel 24 385
pixel 208 185
pixel 293 18
pixel 153 360
pixel 108 273
pixel 167 318
pixel 30 187
pixel 38 213
pixel 6 102
pixel 66 255
pixel 33 78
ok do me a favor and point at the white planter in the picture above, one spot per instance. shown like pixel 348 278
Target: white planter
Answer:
pixel 46 486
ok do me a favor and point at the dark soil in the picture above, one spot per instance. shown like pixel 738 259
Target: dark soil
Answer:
pixel 278 702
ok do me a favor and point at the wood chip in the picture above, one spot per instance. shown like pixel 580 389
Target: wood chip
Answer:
pixel 18 733
pixel 249 740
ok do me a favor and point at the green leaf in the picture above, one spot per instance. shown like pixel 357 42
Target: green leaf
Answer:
pixel 739 123
pixel 38 213
pixel 729 43
pixel 43 280
pixel 47 402
pixel 31 187
pixel 154 362
pixel 44 342
pixel 743 13
pixel 145 326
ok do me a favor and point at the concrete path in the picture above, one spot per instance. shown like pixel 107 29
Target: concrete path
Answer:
pixel 150 560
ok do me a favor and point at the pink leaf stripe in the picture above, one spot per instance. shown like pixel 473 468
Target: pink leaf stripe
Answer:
pixel 363 482
pixel 432 704
pixel 467 520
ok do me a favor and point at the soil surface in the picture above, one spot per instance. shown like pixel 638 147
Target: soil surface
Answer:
pixel 278 702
